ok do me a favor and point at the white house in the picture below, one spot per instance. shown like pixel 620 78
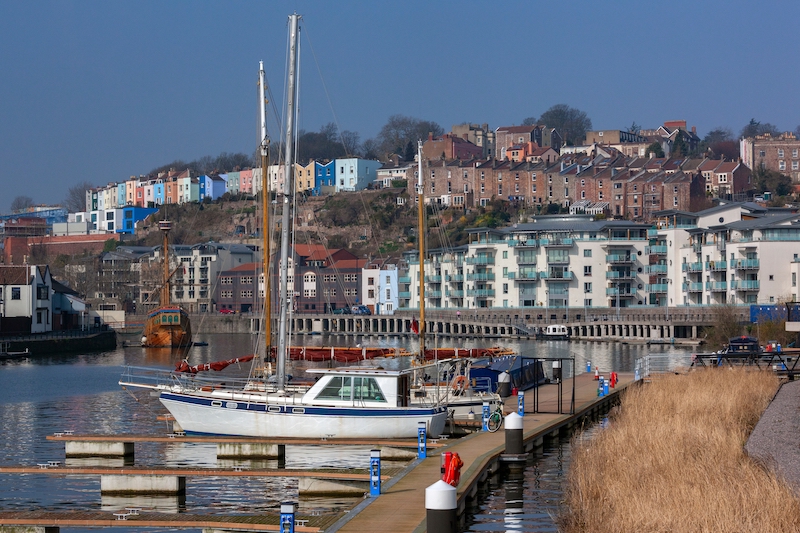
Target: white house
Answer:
pixel 25 299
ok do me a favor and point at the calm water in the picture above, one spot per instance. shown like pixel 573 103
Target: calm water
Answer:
pixel 80 393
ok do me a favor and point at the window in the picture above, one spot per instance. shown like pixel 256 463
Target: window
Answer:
pixel 794 153
pixel 246 294
pixel 308 277
pixel 38 317
pixel 246 280
pixel 16 293
pixel 587 302
pixel 505 288
pixel 226 280
pixel 505 254
pixel 226 294
pixel 583 195
pixel 762 153
pixel 587 253
pixel 674 201
pixel 780 152
pixel 587 270
pixel 307 293
pixel 795 165
pixel 675 189
pixel 635 199
pixel 533 176
pixel 370 281
pixel 42 292
pixel 587 287
pixel 781 165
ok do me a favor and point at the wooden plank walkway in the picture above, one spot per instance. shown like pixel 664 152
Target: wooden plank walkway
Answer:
pixel 403 504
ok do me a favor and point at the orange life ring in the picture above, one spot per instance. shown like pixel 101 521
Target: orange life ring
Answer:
pixel 459 383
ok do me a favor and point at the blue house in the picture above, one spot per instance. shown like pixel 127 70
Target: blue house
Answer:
pixel 353 174
pixel 324 178
pixel 219 186
pixel 129 216
pixel 158 192
pixel 121 194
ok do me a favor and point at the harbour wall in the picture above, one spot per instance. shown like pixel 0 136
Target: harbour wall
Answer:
pixel 651 325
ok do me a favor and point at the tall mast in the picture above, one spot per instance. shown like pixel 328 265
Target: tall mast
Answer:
pixel 165 226
pixel 288 190
pixel 421 239
pixel 262 98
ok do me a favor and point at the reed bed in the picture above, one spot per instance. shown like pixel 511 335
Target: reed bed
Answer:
pixel 673 460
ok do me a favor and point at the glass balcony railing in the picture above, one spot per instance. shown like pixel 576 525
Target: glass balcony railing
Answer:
pixel 481 260
pixel 555 275
pixel 454 277
pixel 655 269
pixel 658 249
pixel 619 259
pixel 716 265
pixel 433 279
pixel 693 287
pixel 454 294
pixel 745 285
pixel 692 267
pixel 402 294
pixel 480 276
pixel 745 264
pixel 404 279
pixel 613 291
pixel 480 293
pixel 717 286
pixel 433 294
pixel 656 288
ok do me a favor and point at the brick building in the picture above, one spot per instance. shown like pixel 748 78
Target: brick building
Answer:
pixel 781 154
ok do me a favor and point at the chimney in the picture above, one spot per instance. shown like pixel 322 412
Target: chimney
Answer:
pixel 430 135
pixel 694 130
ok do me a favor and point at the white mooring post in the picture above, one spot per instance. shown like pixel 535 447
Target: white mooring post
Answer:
pixel 441 508
pixel 514 443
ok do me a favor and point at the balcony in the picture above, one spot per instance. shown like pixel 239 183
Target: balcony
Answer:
pixel 656 288
pixel 693 287
pixel 745 264
pixel 480 293
pixel 692 267
pixel 405 295
pixel 655 269
pixel 526 259
pixel 404 279
pixel 525 274
pixel 623 293
pixel 433 294
pixel 454 277
pixel 480 276
pixel 510 275
pixel 555 276
pixel 620 275
pixel 745 285
pixel 481 260
pixel 530 243
pixel 454 294
pixel 716 266
pixel 652 233
pixel 433 279
pixel 658 249
pixel 562 242
pixel 717 286
pixel 619 259
pixel 697 247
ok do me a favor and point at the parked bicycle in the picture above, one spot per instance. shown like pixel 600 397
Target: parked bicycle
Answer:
pixel 495 419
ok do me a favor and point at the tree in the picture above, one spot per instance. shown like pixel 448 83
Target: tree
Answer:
pixel 530 121
pixel 718 134
pixel 351 141
pixel 76 197
pixel 21 203
pixel 754 128
pixel 769 180
pixel 399 130
pixel 720 142
pixel 679 148
pixel 634 128
pixel 370 149
pixel 655 149
pixel 410 152
pixel 571 123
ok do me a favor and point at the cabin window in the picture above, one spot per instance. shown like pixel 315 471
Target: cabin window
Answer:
pixel 337 389
pixel 367 389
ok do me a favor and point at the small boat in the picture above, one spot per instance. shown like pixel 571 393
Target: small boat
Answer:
pixel 554 332
pixel 453 383
pixel 6 353
pixel 200 343
pixel 169 325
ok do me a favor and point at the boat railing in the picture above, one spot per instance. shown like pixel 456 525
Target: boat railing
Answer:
pixel 167 380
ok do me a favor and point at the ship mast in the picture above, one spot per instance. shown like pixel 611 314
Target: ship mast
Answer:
pixel 165 226
pixel 265 247
pixel 421 239
pixel 288 190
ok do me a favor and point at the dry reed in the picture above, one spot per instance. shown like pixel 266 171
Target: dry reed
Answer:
pixel 673 460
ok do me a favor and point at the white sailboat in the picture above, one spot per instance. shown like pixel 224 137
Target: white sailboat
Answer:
pixel 343 403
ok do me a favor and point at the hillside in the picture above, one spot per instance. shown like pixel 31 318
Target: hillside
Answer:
pixel 370 223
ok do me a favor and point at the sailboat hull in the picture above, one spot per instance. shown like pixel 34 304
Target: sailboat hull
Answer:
pixel 167 327
pixel 198 414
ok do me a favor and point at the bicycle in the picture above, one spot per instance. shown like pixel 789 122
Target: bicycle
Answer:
pixel 495 419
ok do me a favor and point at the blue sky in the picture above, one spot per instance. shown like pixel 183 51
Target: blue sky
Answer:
pixel 98 90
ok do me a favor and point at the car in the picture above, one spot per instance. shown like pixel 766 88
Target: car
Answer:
pixel 361 310
pixel 342 311
pixel 225 311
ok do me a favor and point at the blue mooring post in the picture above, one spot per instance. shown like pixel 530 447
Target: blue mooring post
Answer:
pixel 287 517
pixel 485 417
pixel 375 473
pixel 521 402
pixel 600 386
pixel 422 441
pixel 588 366
pixel 605 387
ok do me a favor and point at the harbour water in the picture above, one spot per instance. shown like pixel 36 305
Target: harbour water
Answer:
pixel 79 393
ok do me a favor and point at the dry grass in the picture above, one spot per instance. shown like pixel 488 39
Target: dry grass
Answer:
pixel 672 460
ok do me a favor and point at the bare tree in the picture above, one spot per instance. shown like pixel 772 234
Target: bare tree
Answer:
pixel 21 203
pixel 76 197
pixel 530 121
pixel 400 129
